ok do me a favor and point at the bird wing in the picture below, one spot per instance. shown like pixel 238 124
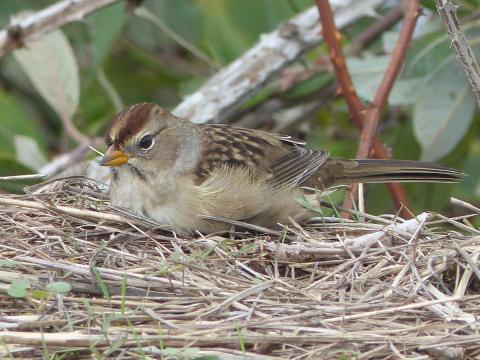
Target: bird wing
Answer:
pixel 225 146
pixel 297 166
pixel 278 159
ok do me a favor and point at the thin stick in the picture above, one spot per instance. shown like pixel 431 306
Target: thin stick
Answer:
pixel 67 210
pixel 393 70
pixel 361 198
pixel 21 177
pixel 463 51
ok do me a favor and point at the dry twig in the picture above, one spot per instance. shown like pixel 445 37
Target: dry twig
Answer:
pixel 463 51
pixel 227 90
pixel 35 25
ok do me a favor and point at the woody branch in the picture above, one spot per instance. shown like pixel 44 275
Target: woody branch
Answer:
pixel 367 119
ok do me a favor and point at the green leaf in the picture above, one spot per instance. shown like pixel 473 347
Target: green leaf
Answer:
pixel 15 121
pixel 181 16
pixel 309 86
pixel 169 351
pixel 101 283
pixel 389 40
pixel 10 8
pixel 471 184
pixel 105 25
pixel 107 323
pixel 429 4
pixel 406 91
pixel 223 45
pixel 18 288
pixel 59 287
pixel 50 64
pixel 28 152
pixel 8 263
pixel 241 24
pixel 433 50
pixel 40 294
pixel 428 53
pixel 367 74
pixel 443 114
pixel 443 103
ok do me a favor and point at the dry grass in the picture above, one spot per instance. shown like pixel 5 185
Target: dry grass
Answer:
pixel 382 288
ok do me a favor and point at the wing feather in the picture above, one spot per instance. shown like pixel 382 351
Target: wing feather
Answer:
pixel 297 166
pixel 279 158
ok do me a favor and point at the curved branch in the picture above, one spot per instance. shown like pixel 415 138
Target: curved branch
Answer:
pixel 52 17
pixel 228 89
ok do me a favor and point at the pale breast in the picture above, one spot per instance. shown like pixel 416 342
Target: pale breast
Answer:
pixel 130 190
pixel 230 192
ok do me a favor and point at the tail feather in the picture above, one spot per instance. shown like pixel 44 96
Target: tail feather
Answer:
pixel 379 171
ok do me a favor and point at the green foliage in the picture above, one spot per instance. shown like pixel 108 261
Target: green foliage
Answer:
pixel 104 27
pixel 21 288
pixel 18 288
pixel 101 283
pixel 51 66
pixel 443 115
pixel 15 121
pixel 59 287
pixel 7 263
pixel 40 294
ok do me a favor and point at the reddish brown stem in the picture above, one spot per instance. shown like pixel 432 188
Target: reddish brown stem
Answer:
pixel 332 38
pixel 356 110
pixel 396 61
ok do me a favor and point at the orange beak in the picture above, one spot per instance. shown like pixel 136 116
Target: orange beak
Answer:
pixel 113 158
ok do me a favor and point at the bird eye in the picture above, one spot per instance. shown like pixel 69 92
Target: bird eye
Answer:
pixel 146 142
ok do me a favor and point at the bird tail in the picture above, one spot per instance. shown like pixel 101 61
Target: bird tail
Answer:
pixel 382 171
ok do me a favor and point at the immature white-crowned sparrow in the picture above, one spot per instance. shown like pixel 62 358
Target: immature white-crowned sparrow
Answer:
pixel 172 170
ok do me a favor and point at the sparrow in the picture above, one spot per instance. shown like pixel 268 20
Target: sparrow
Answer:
pixel 173 171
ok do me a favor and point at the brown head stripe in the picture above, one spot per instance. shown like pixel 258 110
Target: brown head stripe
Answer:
pixel 129 121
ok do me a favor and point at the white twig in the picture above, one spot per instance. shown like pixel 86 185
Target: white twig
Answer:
pixel 409 226
pixel 361 199
pixel 22 177
pixel 463 51
pixel 226 91
pixel 68 159
pixel 449 311
pixel 464 204
pixel 66 210
pixel 52 17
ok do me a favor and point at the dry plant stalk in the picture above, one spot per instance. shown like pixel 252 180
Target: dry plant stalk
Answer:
pixel 330 288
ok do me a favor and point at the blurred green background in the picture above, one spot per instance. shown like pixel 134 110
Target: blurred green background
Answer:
pixel 165 49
